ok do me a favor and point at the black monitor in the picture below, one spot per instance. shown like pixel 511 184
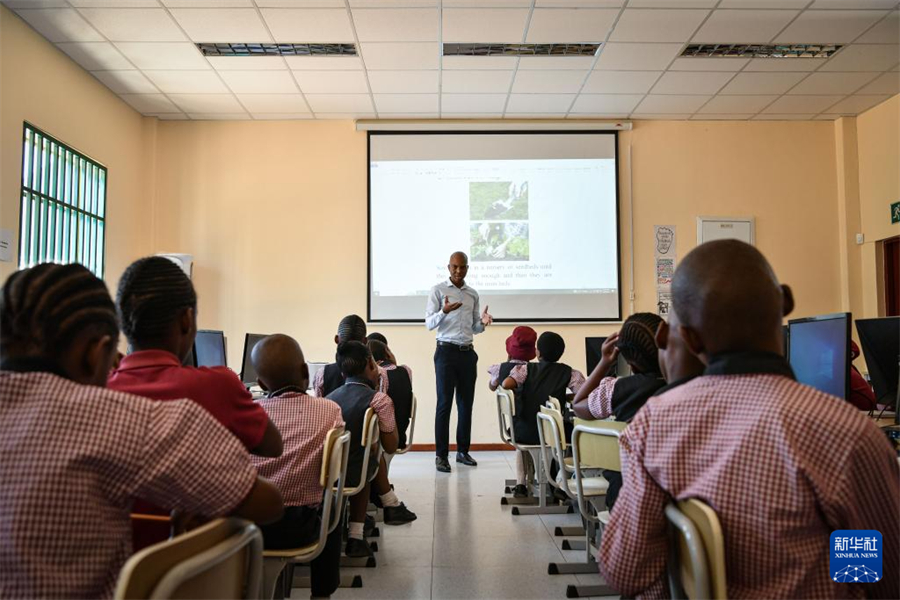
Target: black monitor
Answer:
pixel 190 360
pixel 209 348
pixel 819 352
pixel 880 340
pixel 593 346
pixel 786 340
pixel 248 373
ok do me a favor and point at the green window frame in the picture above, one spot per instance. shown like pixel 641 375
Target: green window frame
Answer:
pixel 62 217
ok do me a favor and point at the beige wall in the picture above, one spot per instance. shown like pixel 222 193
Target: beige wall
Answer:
pixel 43 86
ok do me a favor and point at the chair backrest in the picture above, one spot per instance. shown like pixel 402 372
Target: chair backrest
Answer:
pixel 549 432
pixel 221 559
pixel 412 427
pixel 335 454
pixel 696 564
pixel 554 403
pixel 598 446
pixel 370 436
pixel 505 410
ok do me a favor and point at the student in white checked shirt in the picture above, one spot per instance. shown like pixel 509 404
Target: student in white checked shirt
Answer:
pixel 783 465
pixel 74 455
pixel 303 421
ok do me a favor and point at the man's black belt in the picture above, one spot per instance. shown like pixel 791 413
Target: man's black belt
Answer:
pixel 460 347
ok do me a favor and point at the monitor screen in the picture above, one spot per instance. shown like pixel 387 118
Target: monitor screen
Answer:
pixel 819 352
pixel 593 348
pixel 248 373
pixel 880 341
pixel 209 348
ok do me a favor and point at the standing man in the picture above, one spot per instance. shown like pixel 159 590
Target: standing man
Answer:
pixel 453 309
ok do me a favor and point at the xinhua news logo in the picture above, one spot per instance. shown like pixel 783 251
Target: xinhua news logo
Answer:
pixel 856 556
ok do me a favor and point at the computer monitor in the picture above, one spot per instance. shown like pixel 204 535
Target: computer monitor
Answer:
pixel 191 359
pixel 248 373
pixel 819 352
pixel 593 349
pixel 880 341
pixel 785 340
pixel 209 348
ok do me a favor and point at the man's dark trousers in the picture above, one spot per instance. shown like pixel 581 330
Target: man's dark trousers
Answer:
pixel 454 369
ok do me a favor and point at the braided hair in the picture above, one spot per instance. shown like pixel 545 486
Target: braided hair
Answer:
pixel 151 295
pixel 378 349
pixel 353 357
pixel 45 307
pixel 377 336
pixel 637 342
pixel 352 328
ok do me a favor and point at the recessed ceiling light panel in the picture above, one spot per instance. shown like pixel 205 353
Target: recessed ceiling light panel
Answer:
pixel 251 49
pixel 760 50
pixel 520 49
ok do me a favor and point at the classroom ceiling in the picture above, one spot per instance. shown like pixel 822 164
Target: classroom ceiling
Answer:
pixel 144 51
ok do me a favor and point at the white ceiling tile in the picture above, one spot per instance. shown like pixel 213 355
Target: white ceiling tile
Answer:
pixel 390 3
pixel 737 104
pixel 169 116
pixel 484 24
pixel 216 116
pixel 260 82
pixel 889 83
pixel 762 83
pixel 247 63
pixel 332 82
pixel 126 82
pixel 636 57
pixel 324 63
pixel 274 103
pixel 163 56
pixel 857 104
pixel 783 117
pixel 340 103
pixel 548 82
pixel 579 3
pixel 662 117
pixel 687 82
pixel 411 82
pixel 282 116
pixel 208 3
pixel 473 63
pixel 887 31
pixel 488 3
pixel 801 104
pixel 854 4
pixel 828 26
pixel 143 103
pixel 222 24
pixel 207 103
pixel 446 115
pixel 782 4
pixel 724 117
pixel 308 24
pixel 555 63
pixel 864 57
pixel 672 3
pixel 134 24
pixel 398 103
pixel 115 3
pixel 345 116
pixel 768 65
pixel 555 25
pixel 35 4
pixel 536 103
pixel 473 103
pixel 594 116
pixel 408 115
pixel 620 82
pixel 396 24
pixel 645 25
pixel 535 115
pixel 743 26
pixel 95 56
pixel 709 64
pixel 832 83
pixel 385 56
pixel 300 3
pixel 60 25
pixel 476 82
pixel 671 104
pixel 606 103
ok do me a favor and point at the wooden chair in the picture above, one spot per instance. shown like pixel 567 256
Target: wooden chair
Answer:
pixel 221 559
pixel 696 564
pixel 371 443
pixel 333 475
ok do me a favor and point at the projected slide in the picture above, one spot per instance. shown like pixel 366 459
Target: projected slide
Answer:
pixel 536 213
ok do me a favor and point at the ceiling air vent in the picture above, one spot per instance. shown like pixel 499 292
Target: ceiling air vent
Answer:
pixel 520 49
pixel 760 50
pixel 234 49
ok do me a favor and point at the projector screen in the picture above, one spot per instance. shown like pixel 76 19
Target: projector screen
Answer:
pixel 536 212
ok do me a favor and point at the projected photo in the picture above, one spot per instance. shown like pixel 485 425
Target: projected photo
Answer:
pixel 498 200
pixel 499 241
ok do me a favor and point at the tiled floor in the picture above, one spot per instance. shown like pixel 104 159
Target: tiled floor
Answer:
pixel 464 543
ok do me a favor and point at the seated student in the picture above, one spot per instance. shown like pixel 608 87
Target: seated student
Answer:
pixel 520 348
pixel 304 421
pixel 862 396
pixel 378 337
pixel 399 382
pixel 602 397
pixel 782 464
pixel 73 455
pixel 355 397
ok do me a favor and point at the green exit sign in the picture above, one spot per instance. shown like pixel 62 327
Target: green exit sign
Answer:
pixel 895 212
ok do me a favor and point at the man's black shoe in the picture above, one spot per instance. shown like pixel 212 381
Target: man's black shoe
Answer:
pixel 520 491
pixel 464 458
pixel 398 515
pixel 442 464
pixel 359 549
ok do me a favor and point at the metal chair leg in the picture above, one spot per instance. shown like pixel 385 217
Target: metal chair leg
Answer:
pixel 574 545
pixel 568 532
pixel 588 591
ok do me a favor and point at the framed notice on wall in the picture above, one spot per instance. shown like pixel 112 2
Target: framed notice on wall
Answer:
pixel 726 228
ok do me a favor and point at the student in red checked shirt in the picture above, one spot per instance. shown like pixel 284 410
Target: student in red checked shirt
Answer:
pixel 782 464
pixel 74 456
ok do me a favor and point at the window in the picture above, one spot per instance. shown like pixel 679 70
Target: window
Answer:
pixel 63 213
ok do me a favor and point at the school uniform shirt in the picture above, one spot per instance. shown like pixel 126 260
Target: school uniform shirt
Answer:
pixel 159 375
pixel 319 382
pixel 72 459
pixel 494 371
pixel 743 428
pixel 520 374
pixel 385 383
pixel 600 400
pixel 303 421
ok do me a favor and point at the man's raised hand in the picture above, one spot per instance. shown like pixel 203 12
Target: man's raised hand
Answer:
pixel 449 308
pixel 486 318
